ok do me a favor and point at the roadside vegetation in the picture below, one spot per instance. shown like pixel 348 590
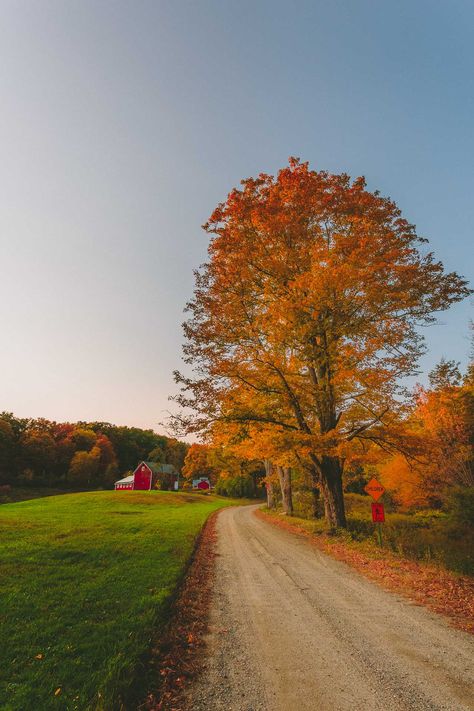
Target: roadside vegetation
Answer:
pixel 86 580
pixel 429 498
pixel 443 537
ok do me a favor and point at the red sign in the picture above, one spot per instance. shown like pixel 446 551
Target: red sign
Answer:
pixel 375 489
pixel 378 513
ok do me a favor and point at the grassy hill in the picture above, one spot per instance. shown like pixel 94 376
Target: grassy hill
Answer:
pixel 85 579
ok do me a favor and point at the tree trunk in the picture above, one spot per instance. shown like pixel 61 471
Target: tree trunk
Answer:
pixel 270 496
pixel 315 489
pixel 284 475
pixel 315 502
pixel 253 476
pixel 331 484
pixel 269 484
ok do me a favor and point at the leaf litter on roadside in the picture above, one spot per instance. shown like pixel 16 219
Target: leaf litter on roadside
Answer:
pixel 176 655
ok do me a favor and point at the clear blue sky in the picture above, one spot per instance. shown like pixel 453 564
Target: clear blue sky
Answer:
pixel 122 124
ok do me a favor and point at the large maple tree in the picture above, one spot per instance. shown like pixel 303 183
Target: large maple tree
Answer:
pixel 306 317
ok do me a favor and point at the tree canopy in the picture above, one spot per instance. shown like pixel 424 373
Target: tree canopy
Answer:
pixel 305 319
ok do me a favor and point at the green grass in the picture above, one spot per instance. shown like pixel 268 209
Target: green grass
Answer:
pixel 23 493
pixel 86 579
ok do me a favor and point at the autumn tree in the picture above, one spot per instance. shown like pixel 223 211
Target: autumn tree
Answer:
pixel 443 423
pixel 197 464
pixel 65 448
pixel 263 451
pixel 175 452
pixel 131 444
pixel 446 412
pixel 84 438
pixel 12 431
pixel 38 455
pixel 108 466
pixel 308 311
pixel 7 450
pixel 84 467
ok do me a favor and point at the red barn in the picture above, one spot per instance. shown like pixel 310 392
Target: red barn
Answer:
pixel 203 483
pixel 147 475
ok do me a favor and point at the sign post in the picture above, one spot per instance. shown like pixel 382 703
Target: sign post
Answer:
pixel 376 490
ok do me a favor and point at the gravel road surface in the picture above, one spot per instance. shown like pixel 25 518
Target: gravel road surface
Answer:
pixel 293 629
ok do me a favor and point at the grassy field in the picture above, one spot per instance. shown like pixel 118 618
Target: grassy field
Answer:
pixel 23 493
pixel 85 579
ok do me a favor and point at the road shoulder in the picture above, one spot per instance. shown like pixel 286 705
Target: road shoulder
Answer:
pixel 176 657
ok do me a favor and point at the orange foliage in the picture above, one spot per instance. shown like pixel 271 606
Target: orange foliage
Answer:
pixel 405 481
pixel 197 464
pixel 443 423
pixel 306 317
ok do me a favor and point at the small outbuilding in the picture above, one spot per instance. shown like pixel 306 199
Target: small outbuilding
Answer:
pixel 125 483
pixel 149 475
pixel 203 483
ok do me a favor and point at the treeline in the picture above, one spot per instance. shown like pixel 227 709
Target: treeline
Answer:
pixel 41 452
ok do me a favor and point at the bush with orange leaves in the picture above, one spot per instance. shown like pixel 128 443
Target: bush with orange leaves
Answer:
pixel 443 421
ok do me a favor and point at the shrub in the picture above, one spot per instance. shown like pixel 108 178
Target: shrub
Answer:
pixel 461 505
pixel 303 504
pixel 437 538
pixel 235 487
pixel 360 527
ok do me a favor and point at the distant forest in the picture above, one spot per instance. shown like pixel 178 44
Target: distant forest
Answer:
pixel 77 455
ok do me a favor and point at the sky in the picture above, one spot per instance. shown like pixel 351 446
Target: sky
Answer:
pixel 123 124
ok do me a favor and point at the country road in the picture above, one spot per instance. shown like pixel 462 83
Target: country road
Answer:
pixel 292 629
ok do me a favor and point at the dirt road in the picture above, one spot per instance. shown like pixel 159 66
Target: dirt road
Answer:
pixel 292 629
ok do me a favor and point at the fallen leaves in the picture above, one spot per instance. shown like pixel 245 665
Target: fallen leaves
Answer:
pixel 176 653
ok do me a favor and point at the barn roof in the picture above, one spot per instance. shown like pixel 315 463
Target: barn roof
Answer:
pixel 158 468
pixel 125 480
